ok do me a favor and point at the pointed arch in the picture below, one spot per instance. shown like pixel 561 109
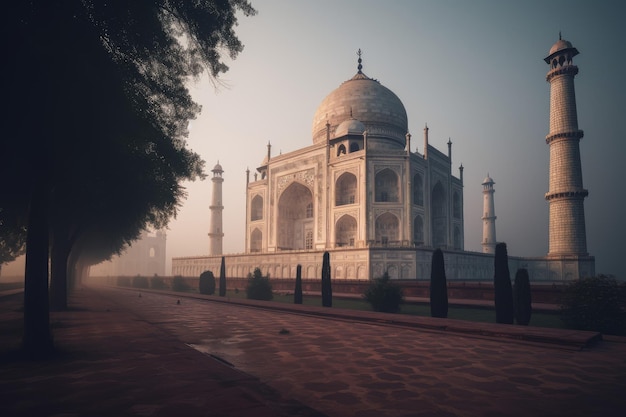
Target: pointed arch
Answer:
pixel 256 208
pixel 295 217
pixel 457 238
pixel 346 189
pixel 418 190
pixel 256 240
pixel 418 231
pixel 386 228
pixel 387 186
pixel 345 231
pixel 456 205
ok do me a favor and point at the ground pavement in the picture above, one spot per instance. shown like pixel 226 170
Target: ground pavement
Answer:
pixel 337 364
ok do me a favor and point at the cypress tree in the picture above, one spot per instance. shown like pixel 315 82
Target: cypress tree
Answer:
pixel 327 292
pixel 522 297
pixel 438 286
pixel 297 293
pixel 503 296
pixel 223 278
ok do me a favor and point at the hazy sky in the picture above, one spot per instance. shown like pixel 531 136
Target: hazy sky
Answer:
pixel 473 71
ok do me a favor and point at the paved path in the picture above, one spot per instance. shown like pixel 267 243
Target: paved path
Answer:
pixel 347 368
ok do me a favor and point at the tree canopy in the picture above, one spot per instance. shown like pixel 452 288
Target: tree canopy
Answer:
pixel 98 119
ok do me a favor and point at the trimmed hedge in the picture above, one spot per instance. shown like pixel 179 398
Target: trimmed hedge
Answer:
pixel 597 304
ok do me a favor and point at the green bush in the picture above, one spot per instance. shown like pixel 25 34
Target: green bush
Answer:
pixel 259 287
pixel 207 283
pixel 157 283
pixel 123 282
pixel 597 304
pixel 383 295
pixel 179 284
pixel 140 282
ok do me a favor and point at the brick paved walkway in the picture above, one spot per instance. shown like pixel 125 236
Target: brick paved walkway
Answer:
pixel 134 360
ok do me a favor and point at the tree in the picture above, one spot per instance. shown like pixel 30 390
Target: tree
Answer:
pixel 383 295
pixel 223 278
pixel 259 287
pixel 206 284
pixel 522 297
pixel 136 58
pixel 297 292
pixel 503 293
pixel 438 286
pixel 327 291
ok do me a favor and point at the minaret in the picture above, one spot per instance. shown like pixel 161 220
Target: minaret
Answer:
pixel 216 233
pixel 489 217
pixel 566 193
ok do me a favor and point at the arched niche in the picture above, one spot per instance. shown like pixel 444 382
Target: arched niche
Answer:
pixel 295 217
pixel 256 208
pixel 387 186
pixel 345 231
pixel 386 228
pixel 346 189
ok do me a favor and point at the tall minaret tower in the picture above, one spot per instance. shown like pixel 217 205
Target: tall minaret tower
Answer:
pixel 566 193
pixel 489 217
pixel 216 233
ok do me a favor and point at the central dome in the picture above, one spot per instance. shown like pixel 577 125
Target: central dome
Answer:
pixel 366 100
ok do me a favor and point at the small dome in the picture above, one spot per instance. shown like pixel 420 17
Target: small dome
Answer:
pixel 217 168
pixel 350 127
pixel 488 180
pixel 559 46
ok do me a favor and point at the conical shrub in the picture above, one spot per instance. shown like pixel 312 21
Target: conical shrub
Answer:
pixel 297 292
pixel 327 292
pixel 522 297
pixel 503 292
pixel 223 278
pixel 438 286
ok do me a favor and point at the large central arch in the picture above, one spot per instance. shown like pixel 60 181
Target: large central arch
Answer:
pixel 295 218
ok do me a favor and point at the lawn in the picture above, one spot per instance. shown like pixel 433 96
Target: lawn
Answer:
pixel 480 314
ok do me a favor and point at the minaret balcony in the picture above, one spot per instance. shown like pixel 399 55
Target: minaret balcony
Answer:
pixel 576 134
pixel 564 70
pixel 567 194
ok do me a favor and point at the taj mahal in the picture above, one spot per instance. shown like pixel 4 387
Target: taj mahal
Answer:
pixel 378 200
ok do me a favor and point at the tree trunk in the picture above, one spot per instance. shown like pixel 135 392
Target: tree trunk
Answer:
pixel 37 338
pixel 58 274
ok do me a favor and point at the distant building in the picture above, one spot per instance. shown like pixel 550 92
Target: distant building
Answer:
pixel 145 257
pixel 363 194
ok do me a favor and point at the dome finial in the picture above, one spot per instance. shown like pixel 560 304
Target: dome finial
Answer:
pixel 559 35
pixel 359 67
